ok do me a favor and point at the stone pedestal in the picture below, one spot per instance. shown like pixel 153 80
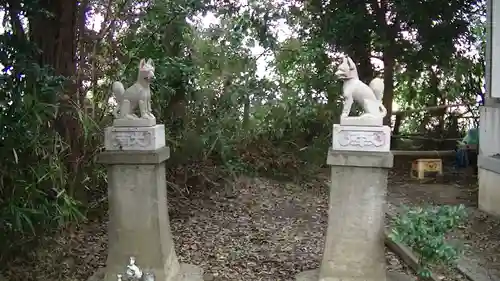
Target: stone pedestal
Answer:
pixel 354 244
pixel 134 138
pixel 138 214
pixel 361 138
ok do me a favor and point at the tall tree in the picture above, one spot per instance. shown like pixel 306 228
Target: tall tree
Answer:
pixel 365 29
pixel 53 28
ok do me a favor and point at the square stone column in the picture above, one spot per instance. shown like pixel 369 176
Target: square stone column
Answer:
pixel 354 244
pixel 138 213
pixel 489 122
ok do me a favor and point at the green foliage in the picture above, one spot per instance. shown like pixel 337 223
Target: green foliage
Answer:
pixel 37 190
pixel 33 175
pixel 225 110
pixel 424 231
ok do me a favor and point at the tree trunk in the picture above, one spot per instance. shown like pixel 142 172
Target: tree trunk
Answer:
pixel 246 110
pixel 246 104
pixel 389 64
pixel 176 108
pixel 361 43
pixel 17 26
pixel 389 33
pixel 397 124
pixel 54 32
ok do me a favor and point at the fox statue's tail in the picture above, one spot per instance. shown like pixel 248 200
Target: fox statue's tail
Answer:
pixel 377 86
pixel 118 91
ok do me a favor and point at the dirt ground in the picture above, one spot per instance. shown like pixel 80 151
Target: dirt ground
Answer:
pixel 253 229
pixel 259 229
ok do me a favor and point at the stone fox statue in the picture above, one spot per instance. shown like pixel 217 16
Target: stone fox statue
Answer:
pixel 137 95
pixel 368 96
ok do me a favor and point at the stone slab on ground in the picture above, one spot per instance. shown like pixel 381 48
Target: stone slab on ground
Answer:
pixel 470 267
pixel 312 275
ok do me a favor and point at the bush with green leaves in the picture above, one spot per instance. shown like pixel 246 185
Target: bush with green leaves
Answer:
pixel 424 231
pixel 37 188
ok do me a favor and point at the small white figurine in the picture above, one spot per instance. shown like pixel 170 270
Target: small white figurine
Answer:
pixel 133 271
pixel 137 95
pixel 368 96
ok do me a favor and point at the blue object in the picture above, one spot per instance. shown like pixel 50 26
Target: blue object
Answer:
pixel 481 98
pixel 461 158
pixel 462 152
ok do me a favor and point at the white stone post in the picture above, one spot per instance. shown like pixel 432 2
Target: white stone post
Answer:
pixel 138 214
pixel 354 244
pixel 360 158
pixel 489 123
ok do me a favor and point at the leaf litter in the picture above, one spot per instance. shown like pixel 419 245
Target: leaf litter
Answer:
pixel 254 229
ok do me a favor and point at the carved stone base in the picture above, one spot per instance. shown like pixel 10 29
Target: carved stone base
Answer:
pixel 313 275
pixel 362 120
pixel 140 122
pixel 139 224
pixel 134 138
pixel 361 138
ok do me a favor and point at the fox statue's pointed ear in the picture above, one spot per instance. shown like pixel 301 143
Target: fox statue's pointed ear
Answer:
pixel 141 63
pixel 150 62
pixel 352 65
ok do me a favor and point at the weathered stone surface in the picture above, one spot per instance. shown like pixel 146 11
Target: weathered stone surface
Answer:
pixel 361 121
pixel 354 244
pixel 138 220
pixel 360 159
pixel 134 138
pixel 134 157
pixel 313 275
pixel 140 122
pixel 361 138
pixel 138 217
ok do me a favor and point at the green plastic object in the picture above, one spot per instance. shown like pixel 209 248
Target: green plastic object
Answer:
pixel 472 137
